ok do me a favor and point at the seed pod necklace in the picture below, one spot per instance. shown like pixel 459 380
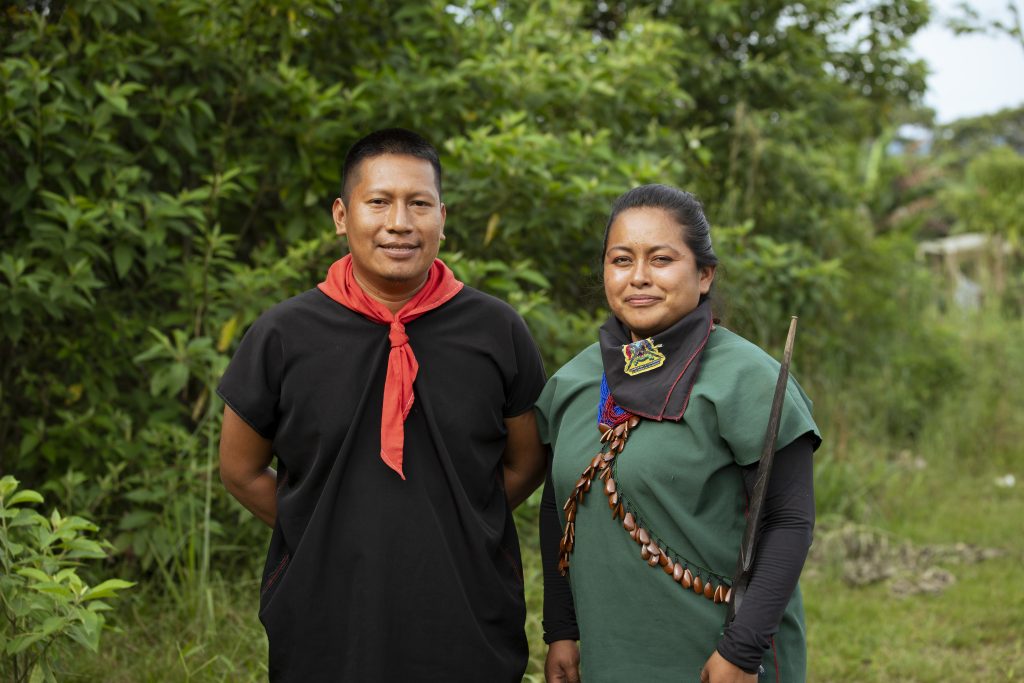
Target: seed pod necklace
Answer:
pixel 615 425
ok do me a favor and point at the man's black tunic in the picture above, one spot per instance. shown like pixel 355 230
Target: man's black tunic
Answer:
pixel 369 577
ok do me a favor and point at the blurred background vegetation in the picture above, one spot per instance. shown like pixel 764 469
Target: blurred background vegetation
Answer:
pixel 167 170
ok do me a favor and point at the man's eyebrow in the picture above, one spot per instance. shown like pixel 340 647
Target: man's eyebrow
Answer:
pixel 391 192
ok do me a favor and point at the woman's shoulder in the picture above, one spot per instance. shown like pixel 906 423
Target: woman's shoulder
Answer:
pixel 732 364
pixel 585 366
pixel 573 386
pixel 729 349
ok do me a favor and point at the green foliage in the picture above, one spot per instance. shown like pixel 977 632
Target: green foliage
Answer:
pixel 46 609
pixel 991 197
pixel 765 280
pixel 166 170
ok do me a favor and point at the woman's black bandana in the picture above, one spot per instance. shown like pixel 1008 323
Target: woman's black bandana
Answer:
pixel 653 377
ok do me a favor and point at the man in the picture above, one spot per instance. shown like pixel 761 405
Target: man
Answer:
pixel 399 405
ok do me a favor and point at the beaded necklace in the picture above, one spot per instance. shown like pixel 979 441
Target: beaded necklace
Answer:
pixel 615 424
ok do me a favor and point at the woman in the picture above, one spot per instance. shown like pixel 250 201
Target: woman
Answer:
pixel 655 433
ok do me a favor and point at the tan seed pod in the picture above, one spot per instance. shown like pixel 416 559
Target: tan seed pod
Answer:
pixel 668 566
pixel 698 585
pixel 677 572
pixel 609 486
pixel 645 553
pixel 643 535
pixel 653 561
pixel 709 590
pixel 687 579
pixel 629 522
pixel 633 421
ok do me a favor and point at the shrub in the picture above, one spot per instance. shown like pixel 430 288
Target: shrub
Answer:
pixel 46 608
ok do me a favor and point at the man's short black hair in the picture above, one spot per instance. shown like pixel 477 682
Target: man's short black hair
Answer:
pixel 387 141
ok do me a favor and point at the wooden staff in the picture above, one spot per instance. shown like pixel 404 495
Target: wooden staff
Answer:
pixel 745 563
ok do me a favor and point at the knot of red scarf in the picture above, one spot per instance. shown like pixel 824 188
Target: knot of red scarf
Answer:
pixel 397 335
pixel 440 286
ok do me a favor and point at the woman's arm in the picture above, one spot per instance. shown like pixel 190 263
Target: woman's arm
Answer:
pixel 560 629
pixel 784 539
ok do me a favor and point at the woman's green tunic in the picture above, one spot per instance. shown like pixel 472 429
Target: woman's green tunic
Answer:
pixel 683 479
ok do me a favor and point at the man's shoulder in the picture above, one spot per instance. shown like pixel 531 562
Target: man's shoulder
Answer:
pixel 299 305
pixel 484 303
pixel 298 313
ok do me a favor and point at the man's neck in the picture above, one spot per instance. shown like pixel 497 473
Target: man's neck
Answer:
pixel 392 300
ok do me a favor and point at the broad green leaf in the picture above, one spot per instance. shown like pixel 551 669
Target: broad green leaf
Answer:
pixel 25 496
pixel 35 575
pixel 107 589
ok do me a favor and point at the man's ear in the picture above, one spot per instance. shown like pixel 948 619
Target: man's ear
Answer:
pixel 339 214
pixel 444 215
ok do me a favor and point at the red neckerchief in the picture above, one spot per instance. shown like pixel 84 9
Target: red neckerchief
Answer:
pixel 440 286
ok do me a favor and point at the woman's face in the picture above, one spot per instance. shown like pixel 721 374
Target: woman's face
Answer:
pixel 651 276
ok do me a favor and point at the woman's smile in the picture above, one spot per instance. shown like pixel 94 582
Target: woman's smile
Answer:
pixel 651 276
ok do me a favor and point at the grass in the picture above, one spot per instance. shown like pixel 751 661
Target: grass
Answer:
pixel 934 485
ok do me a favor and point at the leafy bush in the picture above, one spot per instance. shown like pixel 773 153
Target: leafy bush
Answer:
pixel 46 608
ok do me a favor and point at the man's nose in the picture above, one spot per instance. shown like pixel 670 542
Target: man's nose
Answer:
pixel 398 217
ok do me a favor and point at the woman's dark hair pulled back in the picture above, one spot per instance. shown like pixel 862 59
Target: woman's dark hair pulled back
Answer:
pixel 685 208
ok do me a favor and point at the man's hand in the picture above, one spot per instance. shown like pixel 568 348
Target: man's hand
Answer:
pixel 718 670
pixel 524 459
pixel 563 662
pixel 245 467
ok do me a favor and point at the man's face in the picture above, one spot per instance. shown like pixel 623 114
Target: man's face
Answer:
pixel 394 221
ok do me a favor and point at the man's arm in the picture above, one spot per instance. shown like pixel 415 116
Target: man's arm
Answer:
pixel 245 467
pixel 525 458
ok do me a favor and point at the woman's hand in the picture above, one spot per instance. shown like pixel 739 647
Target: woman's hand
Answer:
pixel 718 670
pixel 563 662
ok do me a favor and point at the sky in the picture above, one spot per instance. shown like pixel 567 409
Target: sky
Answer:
pixel 971 74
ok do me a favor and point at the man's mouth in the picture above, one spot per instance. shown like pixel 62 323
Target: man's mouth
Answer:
pixel 399 247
